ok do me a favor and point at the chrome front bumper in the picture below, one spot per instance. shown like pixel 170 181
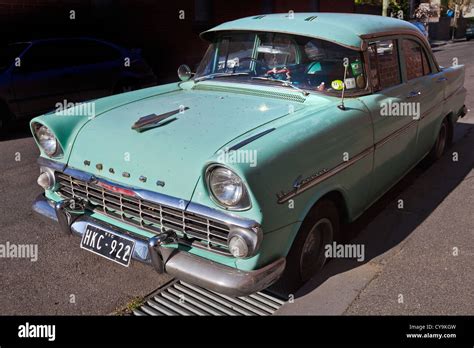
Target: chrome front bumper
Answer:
pixel 180 264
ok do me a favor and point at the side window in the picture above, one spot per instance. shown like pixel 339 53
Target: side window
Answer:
pixel 50 55
pixel 277 50
pixel 42 56
pixel 234 49
pixel 384 65
pixel 93 52
pixel 416 62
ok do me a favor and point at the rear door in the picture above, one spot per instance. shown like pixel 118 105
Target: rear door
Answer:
pixel 425 92
pixel 394 126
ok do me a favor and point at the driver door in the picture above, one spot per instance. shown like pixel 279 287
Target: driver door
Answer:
pixel 394 130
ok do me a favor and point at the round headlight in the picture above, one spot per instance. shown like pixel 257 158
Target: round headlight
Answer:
pixel 238 247
pixel 227 188
pixel 47 140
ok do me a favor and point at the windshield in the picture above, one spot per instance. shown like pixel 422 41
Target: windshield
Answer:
pixel 307 63
pixel 9 53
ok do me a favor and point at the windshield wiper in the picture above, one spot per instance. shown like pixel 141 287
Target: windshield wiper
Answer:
pixel 212 76
pixel 283 83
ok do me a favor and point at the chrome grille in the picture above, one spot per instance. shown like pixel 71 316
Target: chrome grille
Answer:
pixel 192 229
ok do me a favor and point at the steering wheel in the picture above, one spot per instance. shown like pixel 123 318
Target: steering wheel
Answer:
pixel 275 71
pixel 259 64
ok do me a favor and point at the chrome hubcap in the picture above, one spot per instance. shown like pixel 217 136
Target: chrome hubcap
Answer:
pixel 313 247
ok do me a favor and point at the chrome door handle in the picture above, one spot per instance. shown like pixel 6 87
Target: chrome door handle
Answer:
pixel 413 94
pixel 442 79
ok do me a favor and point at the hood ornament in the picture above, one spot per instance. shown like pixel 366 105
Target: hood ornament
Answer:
pixel 151 121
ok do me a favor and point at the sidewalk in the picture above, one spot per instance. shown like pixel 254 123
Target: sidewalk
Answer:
pixel 438 43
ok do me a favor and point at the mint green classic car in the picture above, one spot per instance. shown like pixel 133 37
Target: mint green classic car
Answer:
pixel 240 174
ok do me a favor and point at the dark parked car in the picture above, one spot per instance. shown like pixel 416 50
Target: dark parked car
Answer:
pixel 470 32
pixel 36 75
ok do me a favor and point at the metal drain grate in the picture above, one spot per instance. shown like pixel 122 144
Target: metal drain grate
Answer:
pixel 180 298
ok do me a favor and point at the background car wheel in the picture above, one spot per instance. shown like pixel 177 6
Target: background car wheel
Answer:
pixel 5 117
pixel 440 144
pixel 307 255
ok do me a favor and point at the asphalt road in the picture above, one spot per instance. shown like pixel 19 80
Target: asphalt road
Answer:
pixel 65 279
pixel 409 251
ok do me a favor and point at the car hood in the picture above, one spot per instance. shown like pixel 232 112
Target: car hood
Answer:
pixel 175 153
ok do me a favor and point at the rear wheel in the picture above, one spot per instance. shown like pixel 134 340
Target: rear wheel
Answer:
pixel 441 141
pixel 307 255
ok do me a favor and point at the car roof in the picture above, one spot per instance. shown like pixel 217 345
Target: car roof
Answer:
pixel 346 29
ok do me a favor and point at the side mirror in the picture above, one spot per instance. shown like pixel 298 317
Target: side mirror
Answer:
pixel 184 72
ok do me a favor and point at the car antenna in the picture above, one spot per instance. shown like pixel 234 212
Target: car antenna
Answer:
pixel 346 65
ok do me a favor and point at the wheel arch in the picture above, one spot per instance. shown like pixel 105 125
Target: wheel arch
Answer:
pixel 451 121
pixel 335 194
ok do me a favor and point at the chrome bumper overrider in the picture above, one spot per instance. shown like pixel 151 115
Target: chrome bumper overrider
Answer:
pixel 180 264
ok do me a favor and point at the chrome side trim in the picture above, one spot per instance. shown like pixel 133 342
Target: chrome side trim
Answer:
pixel 455 92
pixel 284 197
pixel 395 134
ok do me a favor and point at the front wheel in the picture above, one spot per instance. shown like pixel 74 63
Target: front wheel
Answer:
pixel 307 255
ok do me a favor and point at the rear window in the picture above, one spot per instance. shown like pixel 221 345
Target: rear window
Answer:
pixel 415 60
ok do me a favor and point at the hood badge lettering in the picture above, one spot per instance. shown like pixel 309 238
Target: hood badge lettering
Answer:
pixel 127 175
pixel 151 121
